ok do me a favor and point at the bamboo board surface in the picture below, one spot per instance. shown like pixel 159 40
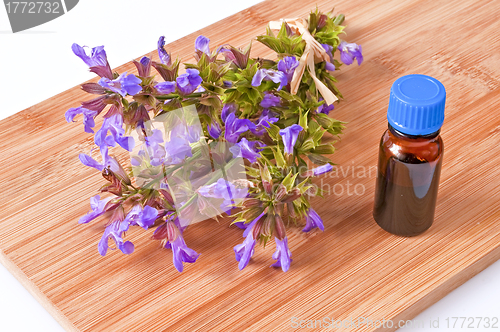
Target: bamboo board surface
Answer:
pixel 353 269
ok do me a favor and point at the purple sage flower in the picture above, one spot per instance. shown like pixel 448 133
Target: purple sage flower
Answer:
pixel 243 252
pixel 324 108
pixel 263 122
pixel 270 100
pixel 245 149
pixel 116 228
pixel 313 220
pixel 329 66
pixel 349 52
pixel 138 216
pixel 225 190
pixel 289 136
pixel 287 65
pixel 165 87
pixel 214 130
pixel 227 109
pixel 97 60
pixel 143 66
pixel 282 254
pixel 321 169
pixel 88 117
pixel 123 84
pixel 202 44
pixel 235 127
pixel 113 124
pixel 328 50
pixel 91 162
pixel 188 82
pixel 177 149
pixel 270 75
pixel 164 56
pixel 181 253
pixel 97 208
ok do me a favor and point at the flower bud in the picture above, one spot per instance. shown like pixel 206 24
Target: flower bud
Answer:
pixel 252 213
pixel 321 21
pixel 268 225
pixel 167 231
pixel 292 195
pixel 280 227
pixel 166 194
pixel 291 210
pixel 280 192
pixel 118 214
pixel 133 198
pixel 93 88
pixel 268 187
pixel 251 202
pixel 257 228
pixel 172 231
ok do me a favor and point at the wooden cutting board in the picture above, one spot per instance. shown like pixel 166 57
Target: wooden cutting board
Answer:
pixel 353 269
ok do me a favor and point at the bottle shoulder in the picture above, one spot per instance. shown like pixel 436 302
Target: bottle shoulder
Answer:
pixel 411 150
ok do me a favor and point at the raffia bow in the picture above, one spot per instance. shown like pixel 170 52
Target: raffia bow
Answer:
pixel 312 52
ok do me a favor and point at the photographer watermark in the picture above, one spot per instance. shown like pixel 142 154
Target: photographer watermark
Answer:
pixel 347 180
pixel 436 324
pixel 24 15
pixel 353 323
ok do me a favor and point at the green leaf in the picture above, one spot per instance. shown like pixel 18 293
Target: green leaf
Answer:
pixel 318 159
pixel 289 180
pixel 273 131
pixel 278 156
pixel 324 120
pixel 303 120
pixel 324 149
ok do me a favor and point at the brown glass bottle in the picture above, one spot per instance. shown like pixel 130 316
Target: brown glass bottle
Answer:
pixel 407 182
pixel 410 156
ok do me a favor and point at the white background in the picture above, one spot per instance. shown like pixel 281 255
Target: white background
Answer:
pixel 38 63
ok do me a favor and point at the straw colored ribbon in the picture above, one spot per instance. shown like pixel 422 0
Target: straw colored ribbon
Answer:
pixel 313 52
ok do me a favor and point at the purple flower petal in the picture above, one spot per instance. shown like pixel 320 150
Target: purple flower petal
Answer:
pixel 148 217
pixel 164 56
pixel 97 60
pixel 165 87
pixel 214 130
pixel 202 44
pixel 329 66
pixel 289 136
pixel 122 85
pixel 270 75
pixel 181 253
pixel 88 117
pixel 97 208
pixel 115 230
pixel 282 254
pixel 287 65
pixel 243 252
pixel 322 169
pixel 245 149
pixel 226 110
pixel 188 82
pixel 324 108
pixel 270 100
pixel 235 127
pixel 349 52
pixel 313 220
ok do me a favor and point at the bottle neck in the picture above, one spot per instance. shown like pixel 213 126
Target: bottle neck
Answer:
pixel 401 135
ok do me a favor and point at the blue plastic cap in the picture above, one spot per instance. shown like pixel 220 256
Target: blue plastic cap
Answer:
pixel 416 106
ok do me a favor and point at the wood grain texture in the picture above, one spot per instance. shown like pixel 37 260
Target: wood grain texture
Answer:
pixel 352 269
